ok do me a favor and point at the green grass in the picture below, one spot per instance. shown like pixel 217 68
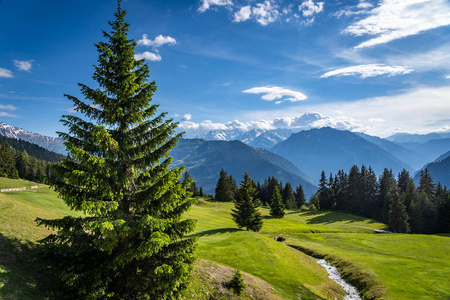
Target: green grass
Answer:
pixel 398 266
pixel 289 271
pixel 408 266
pixel 16 183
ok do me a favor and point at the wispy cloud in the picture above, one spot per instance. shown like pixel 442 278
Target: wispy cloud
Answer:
pixel 272 93
pixel 8 107
pixel 5 73
pixel 147 55
pixel 359 9
pixel 396 19
pixel 5 114
pixel 23 65
pixel 365 71
pixel 206 4
pixel 435 59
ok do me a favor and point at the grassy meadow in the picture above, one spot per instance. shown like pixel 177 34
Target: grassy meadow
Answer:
pixel 394 266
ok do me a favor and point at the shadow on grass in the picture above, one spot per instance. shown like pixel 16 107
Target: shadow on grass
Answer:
pixel 23 273
pixel 215 231
pixel 330 216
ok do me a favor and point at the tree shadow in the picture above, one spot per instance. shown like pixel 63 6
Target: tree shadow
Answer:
pixel 329 217
pixel 215 231
pixel 269 218
pixel 24 274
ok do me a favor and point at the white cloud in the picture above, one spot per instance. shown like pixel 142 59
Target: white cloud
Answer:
pixel 272 93
pixel 448 77
pixel 243 14
pixel 395 19
pixel 435 59
pixel 420 110
pixel 157 42
pixel 361 8
pixel 8 107
pixel 5 73
pixel 371 70
pixel 5 114
pixel 186 117
pixel 148 56
pixel 265 13
pixel 206 4
pixel 304 122
pixel 23 65
pixel 309 8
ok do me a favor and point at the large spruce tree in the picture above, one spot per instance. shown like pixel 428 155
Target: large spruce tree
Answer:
pixel 130 244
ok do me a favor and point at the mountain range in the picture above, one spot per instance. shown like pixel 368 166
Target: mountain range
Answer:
pixel 204 160
pixel 47 142
pixel 330 150
pixel 297 157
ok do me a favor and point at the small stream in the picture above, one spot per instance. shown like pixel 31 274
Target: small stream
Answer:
pixel 333 273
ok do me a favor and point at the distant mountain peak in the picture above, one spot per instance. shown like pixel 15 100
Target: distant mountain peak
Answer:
pixel 47 142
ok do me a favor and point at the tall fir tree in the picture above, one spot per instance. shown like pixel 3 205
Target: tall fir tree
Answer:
pixel 398 217
pixel 131 244
pixel 324 193
pixel 7 162
pixel 224 188
pixel 289 197
pixel 276 204
pixel 246 212
pixel 300 196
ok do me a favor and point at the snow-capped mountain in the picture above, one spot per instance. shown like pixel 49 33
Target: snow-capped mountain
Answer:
pixel 264 138
pixel 47 142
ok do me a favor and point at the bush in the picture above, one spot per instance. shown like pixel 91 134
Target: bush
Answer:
pixel 236 284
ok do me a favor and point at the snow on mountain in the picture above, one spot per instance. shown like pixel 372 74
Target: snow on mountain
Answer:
pixel 47 142
pixel 263 138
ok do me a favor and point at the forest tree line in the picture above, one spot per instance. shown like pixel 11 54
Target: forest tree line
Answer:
pixel 227 191
pixel 393 200
pixel 17 164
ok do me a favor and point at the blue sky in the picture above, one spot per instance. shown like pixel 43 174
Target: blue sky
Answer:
pixel 377 67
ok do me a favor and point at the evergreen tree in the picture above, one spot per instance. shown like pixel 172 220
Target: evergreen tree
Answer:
pixel 289 197
pixel 398 217
pixel 201 193
pixel 246 206
pixel 276 204
pixel 426 184
pixel 300 196
pixel 236 283
pixel 385 184
pixel 323 192
pixel 131 244
pixel 369 193
pixel 224 188
pixel 353 190
pixel 7 162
